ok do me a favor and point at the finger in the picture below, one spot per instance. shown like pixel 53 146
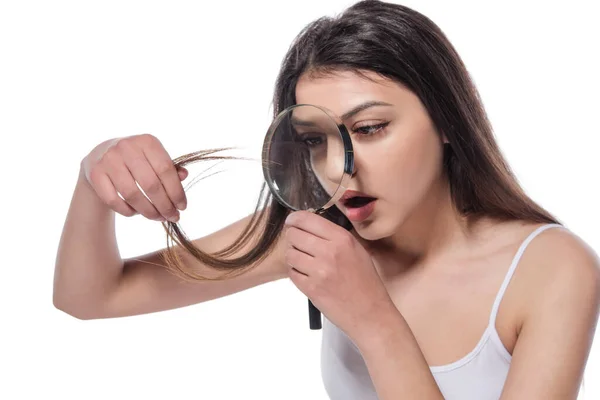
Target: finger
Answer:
pixel 299 279
pixel 108 194
pixel 299 261
pixel 182 173
pixel 304 241
pixel 125 184
pixel 313 223
pixel 165 169
pixel 144 174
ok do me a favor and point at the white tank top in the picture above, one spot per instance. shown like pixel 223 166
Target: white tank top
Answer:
pixel 479 375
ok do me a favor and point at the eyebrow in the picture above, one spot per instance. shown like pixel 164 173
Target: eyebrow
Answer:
pixel 361 107
pixel 301 122
pixel 358 109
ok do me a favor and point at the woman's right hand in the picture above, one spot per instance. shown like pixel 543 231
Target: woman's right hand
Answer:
pixel 117 164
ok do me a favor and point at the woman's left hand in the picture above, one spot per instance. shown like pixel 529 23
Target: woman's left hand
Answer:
pixel 336 273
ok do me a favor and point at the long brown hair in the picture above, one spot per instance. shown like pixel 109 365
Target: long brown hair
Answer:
pixel 401 44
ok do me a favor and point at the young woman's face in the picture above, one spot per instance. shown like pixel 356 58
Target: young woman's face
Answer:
pixel 397 151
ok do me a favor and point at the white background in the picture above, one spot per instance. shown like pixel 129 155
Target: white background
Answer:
pixel 199 75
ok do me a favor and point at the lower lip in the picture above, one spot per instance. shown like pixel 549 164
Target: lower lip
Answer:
pixel 359 214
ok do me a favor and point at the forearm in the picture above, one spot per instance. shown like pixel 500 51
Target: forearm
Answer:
pixel 88 264
pixel 395 362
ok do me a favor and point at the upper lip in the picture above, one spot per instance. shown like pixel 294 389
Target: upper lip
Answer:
pixel 348 194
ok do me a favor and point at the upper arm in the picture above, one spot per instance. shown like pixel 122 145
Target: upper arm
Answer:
pixel 147 286
pixel 552 349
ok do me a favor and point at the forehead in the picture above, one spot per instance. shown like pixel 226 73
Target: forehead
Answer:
pixel 340 91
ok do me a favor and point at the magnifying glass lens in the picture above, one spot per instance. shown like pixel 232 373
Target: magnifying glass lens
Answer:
pixel 305 156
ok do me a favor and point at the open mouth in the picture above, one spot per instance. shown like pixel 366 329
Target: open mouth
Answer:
pixel 358 201
pixel 359 207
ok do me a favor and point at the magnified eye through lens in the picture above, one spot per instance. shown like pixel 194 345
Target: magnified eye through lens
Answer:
pixel 307 157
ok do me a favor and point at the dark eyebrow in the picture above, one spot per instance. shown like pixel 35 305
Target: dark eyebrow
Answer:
pixel 362 107
pixel 359 108
pixel 301 122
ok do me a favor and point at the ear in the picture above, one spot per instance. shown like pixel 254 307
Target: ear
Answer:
pixel 445 139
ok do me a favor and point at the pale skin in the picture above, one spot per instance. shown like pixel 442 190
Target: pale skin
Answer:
pixel 410 271
pixel 415 269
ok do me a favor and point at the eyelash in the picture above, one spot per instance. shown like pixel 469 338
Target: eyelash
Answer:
pixel 377 129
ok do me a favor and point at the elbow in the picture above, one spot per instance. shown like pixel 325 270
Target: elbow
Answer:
pixel 77 311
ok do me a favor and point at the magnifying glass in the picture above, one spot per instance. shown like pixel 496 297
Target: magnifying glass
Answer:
pixel 307 161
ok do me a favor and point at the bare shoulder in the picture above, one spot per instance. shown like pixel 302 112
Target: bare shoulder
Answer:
pixel 560 271
pixel 558 281
pixel 559 253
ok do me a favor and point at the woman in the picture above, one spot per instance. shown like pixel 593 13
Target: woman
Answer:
pixel 452 283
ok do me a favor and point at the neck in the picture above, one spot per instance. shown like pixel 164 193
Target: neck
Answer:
pixel 432 231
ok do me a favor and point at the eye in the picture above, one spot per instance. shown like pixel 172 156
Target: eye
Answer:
pixel 311 140
pixel 368 130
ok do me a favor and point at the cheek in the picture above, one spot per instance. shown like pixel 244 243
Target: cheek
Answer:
pixel 414 165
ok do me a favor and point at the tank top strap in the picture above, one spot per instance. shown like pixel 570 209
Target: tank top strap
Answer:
pixel 513 266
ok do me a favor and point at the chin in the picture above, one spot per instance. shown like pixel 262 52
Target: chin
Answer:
pixel 380 227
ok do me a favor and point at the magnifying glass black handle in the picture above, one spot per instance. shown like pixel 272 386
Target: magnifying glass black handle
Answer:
pixel 334 215
pixel 314 316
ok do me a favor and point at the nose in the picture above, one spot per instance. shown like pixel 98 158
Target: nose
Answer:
pixel 334 164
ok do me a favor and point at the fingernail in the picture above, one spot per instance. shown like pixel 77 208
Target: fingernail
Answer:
pixel 174 218
pixel 181 206
pixel 289 218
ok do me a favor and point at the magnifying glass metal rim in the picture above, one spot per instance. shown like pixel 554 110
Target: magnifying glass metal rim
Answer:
pixel 348 159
